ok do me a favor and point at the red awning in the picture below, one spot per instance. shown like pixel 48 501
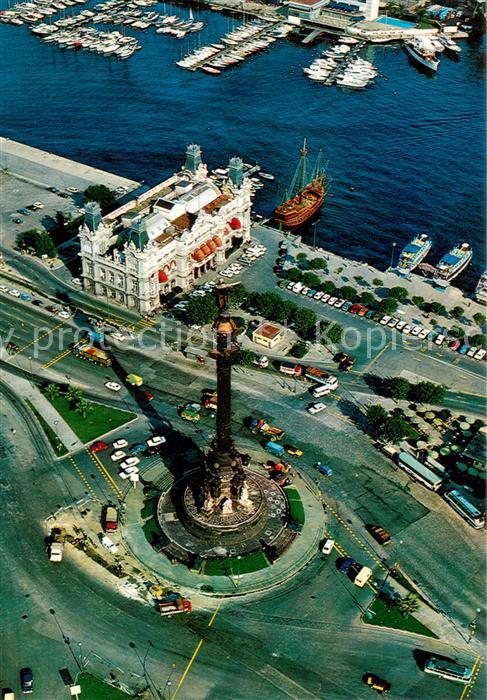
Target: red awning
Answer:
pixel 205 249
pixel 211 245
pixel 217 241
pixel 198 255
pixel 235 223
pixel 162 277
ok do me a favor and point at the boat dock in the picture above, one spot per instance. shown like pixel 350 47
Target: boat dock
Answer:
pixel 311 37
pixel 344 62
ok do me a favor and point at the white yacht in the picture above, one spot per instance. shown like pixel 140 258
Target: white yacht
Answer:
pixel 422 51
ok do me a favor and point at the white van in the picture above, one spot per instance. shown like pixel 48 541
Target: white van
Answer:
pixel 363 576
pixel 321 390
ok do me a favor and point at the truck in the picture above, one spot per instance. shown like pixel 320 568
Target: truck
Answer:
pixel 379 534
pixel 110 518
pixel 96 337
pixel 191 412
pixel 274 449
pixel 210 400
pixel 56 543
pixel 173 603
pixel 259 425
pixel 94 355
pixel 290 368
pixel 318 375
pixel 361 574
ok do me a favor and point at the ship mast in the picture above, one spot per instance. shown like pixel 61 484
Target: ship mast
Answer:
pixel 300 178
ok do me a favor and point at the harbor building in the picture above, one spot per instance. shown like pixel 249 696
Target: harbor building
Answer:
pixel 267 335
pixel 167 238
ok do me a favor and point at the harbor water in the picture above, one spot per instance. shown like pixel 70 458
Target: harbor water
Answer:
pixel 405 156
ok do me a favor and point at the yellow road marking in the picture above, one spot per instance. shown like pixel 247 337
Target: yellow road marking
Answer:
pixel 374 359
pixel 82 476
pixel 475 673
pixel 56 359
pixel 195 654
pixel 147 324
pixel 104 472
pixel 361 544
pixel 33 342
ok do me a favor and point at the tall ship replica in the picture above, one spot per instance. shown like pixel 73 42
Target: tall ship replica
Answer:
pixel 305 194
pixel 452 264
pixel 481 289
pixel 413 254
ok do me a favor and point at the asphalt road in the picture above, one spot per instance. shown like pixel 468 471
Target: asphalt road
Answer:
pixel 301 641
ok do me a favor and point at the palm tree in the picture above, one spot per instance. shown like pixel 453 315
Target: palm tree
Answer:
pixel 83 407
pixel 74 394
pixel 420 14
pixel 408 605
pixel 52 391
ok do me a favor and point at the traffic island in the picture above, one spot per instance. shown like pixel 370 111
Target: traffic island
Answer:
pixel 93 688
pixel 384 613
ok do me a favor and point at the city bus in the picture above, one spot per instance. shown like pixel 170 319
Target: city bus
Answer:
pixel 448 669
pixel 419 471
pixel 466 509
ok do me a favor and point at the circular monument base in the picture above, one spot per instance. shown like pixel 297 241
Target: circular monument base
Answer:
pixel 194 534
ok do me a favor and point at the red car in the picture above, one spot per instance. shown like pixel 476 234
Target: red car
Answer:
pixel 147 395
pixel 355 309
pixel 362 311
pixel 99 446
pixel 454 344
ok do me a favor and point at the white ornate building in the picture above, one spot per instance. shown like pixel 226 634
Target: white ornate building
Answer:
pixel 166 238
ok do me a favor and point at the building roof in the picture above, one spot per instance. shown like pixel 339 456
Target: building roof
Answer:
pixel 476 449
pixel 267 330
pixel 307 3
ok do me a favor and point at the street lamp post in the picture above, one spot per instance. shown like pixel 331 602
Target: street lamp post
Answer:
pixel 393 253
pixel 314 232
pixel 473 626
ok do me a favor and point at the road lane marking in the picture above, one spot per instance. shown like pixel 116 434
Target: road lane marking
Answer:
pixel 82 476
pixel 104 472
pixel 36 340
pixel 361 544
pixel 195 654
pixel 56 359
pixel 374 359
pixel 475 673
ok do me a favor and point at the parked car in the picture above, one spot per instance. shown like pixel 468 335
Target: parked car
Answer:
pixel 362 311
pixel 346 565
pixel 400 325
pixel 355 308
pixel 14 293
pixel 125 473
pixel 25 297
pixel 318 295
pixel 110 518
pixel 156 440
pixel 316 408
pixel 439 339
pixel 463 350
pixel 26 680
pixel 146 395
pixel 370 314
pixel 109 544
pixel 416 330
pixel 99 446
pixel 393 322
pixel 328 547
pixel 407 329
pixel 339 304
pixel 138 448
pixel 331 301
pixel 118 455
pixel 423 333
pixel 454 344
pixel 471 352
pixel 385 320
pixel 347 306
pixel 130 462
pixel 480 354
pixel 120 444
pixel 64 314
pixel 294 451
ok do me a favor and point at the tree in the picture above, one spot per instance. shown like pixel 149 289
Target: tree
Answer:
pixel 376 416
pixel 358 278
pixel 479 319
pixel 74 394
pixel 408 605
pixel 457 312
pixel 318 264
pixel 298 350
pixel 437 308
pixel 427 392
pixel 304 321
pixel 311 280
pixel 368 299
pixel 377 282
pixel 83 407
pixel 244 357
pixel 294 274
pixel 456 332
pixel 399 388
pixel 301 257
pixel 418 301
pixel 332 334
pixel 347 292
pixel 479 341
pixel 328 287
pixel 101 194
pixel 201 310
pixel 52 391
pixel 237 295
pixel 398 293
pixel 395 429
pixel 388 305
pixel 38 241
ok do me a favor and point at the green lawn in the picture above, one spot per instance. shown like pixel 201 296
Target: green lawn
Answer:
pixel 295 505
pixel 94 689
pixel 235 567
pixel 99 421
pixel 392 618
pixel 57 445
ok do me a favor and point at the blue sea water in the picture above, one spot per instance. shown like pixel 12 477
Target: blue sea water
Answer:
pixel 405 156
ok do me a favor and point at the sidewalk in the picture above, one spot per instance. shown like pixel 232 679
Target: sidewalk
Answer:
pixel 27 391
